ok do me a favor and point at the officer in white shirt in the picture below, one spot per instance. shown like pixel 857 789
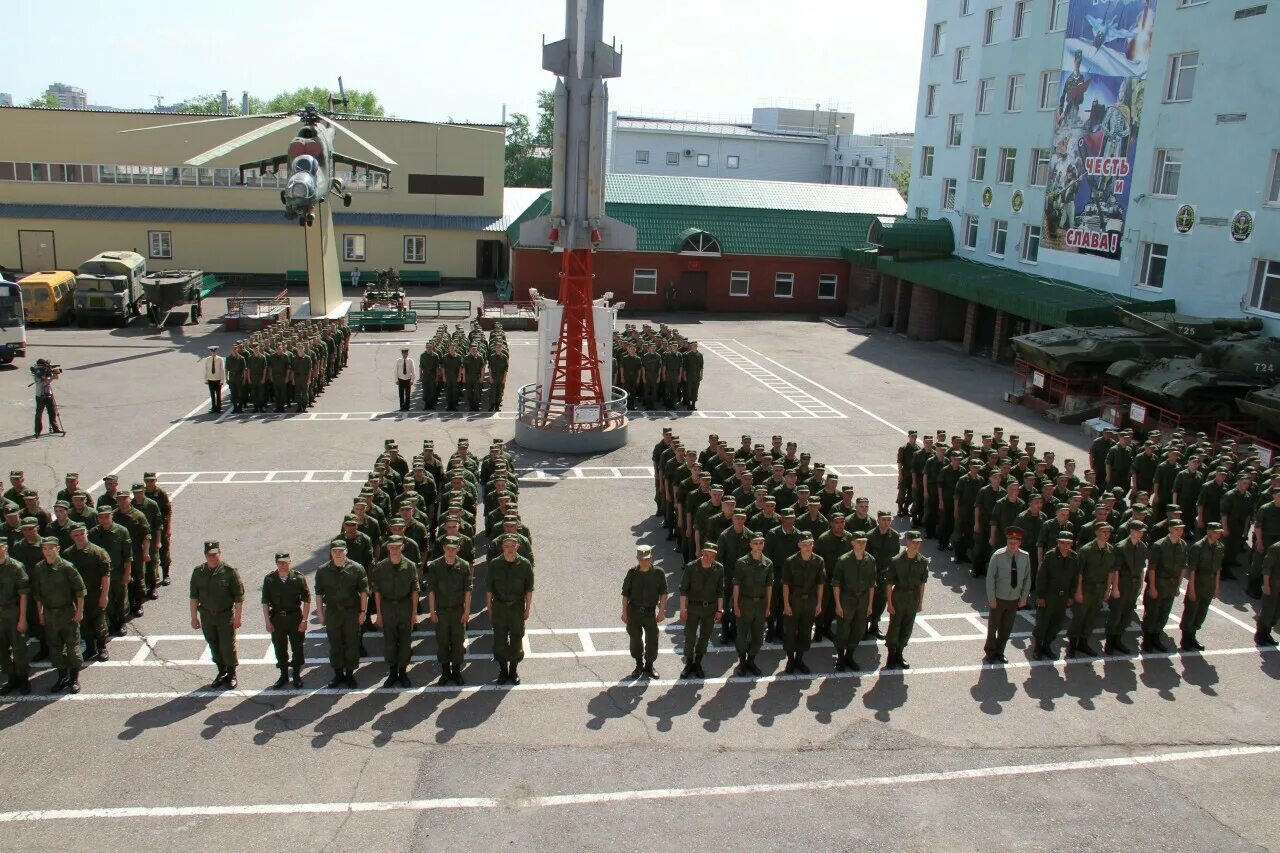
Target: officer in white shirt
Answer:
pixel 214 369
pixel 404 378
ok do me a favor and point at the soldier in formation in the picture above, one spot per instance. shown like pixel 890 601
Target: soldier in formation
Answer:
pixel 456 363
pixel 286 365
pixel 658 368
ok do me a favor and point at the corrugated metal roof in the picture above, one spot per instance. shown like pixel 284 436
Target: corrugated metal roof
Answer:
pixel 237 215
pixel 712 128
pixel 766 195
pixel 913 235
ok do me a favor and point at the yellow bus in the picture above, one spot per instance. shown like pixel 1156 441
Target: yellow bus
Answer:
pixel 49 297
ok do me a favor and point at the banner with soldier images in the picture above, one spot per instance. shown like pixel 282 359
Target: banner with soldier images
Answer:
pixel 1096 123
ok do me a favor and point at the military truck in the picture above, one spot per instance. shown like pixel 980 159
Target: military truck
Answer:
pixel 165 290
pixel 109 286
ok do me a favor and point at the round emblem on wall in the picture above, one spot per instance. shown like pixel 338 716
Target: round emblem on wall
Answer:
pixel 1185 219
pixel 1016 201
pixel 987 196
pixel 1242 226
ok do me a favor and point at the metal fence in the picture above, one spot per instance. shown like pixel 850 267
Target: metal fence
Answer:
pixel 570 417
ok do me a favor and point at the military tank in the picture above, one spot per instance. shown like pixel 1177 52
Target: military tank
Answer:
pixel 1210 383
pixel 1264 405
pixel 1082 351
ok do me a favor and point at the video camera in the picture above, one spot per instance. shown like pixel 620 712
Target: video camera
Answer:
pixel 43 370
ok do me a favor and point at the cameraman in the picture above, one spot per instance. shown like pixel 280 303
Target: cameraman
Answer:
pixel 45 373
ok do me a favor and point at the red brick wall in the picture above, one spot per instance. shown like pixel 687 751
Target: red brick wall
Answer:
pixel 541 270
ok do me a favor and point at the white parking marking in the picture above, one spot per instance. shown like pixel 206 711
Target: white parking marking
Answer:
pixel 789 392
pixel 150 444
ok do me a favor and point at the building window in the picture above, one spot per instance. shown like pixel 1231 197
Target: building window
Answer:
pixel 1273 186
pixel 353 247
pixel 986 90
pixel 966 7
pixel 961 72
pixel 826 286
pixel 1013 96
pixel 1030 244
pixel 673 158
pixel 1182 76
pixel 731 162
pixel 1184 4
pixel 784 284
pixel 955 127
pixel 926 161
pixel 1155 257
pixel 971 232
pixel 1050 82
pixel 160 244
pixel 1039 167
pixel 999 236
pixel 1168 171
pixel 1008 165
pixel 877 178
pixel 644 282
pixel 922 213
pixel 990 25
pixel 642 157
pixel 978 164
pixel 704 160
pixel 939 38
pixel 949 194
pixel 415 249
pixel 700 243
pixel 740 283
pixel 931 99
pixel 1058 15
pixel 1266 286
pixel 1021 18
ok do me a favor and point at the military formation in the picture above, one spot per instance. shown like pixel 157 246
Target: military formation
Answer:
pixel 410 547
pixel 658 368
pixel 1129 529
pixel 775 548
pixel 453 366
pixel 74 579
pixel 285 366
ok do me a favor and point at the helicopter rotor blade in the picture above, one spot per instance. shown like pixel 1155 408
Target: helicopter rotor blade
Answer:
pixel 202 121
pixel 241 140
pixel 381 156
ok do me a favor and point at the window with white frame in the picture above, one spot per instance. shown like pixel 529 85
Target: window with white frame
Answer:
pixel 673 158
pixel 784 285
pixel 740 283
pixel 1050 84
pixel 644 282
pixel 1182 76
pixel 731 161
pixel 948 193
pixel 971 232
pixel 160 244
pixel 931 100
pixel 1058 15
pixel 926 161
pixel 1030 244
pixel 938 42
pixel 922 213
pixel 1013 95
pixel 978 163
pixel 990 25
pixel 827 286
pixel 999 236
pixel 986 91
pixel 955 128
pixel 1265 293
pixel 1008 166
pixel 1168 171
pixel 1155 257
pixel 353 247
pixel 704 160
pixel 1039 167
pixel 1021 18
pixel 1273 185
pixel 961 69
pixel 415 248
pixel 642 157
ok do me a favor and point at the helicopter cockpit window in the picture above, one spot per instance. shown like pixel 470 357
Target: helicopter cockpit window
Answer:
pixel 305 163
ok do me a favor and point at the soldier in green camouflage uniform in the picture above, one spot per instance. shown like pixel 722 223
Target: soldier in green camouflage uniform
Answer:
pixel 644 605
pixel 217 601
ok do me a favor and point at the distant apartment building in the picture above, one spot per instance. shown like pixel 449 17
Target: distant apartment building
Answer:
pixel 69 97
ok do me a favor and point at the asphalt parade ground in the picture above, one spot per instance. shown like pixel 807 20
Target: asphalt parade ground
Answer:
pixel 1166 751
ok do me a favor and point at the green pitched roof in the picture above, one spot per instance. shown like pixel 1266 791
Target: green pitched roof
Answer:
pixel 1050 301
pixel 747 217
pixel 913 235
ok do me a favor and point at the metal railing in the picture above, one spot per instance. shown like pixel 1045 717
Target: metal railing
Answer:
pixel 569 417
pixel 247 307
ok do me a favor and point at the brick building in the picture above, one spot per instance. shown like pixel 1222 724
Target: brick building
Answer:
pixel 726 245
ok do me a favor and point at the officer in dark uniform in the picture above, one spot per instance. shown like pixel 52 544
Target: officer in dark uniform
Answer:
pixel 286 607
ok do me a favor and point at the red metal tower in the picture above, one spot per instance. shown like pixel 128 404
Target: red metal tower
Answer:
pixel 575 375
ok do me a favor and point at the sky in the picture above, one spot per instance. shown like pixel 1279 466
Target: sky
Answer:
pixel 436 60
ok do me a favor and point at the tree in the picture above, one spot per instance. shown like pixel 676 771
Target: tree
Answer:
pixel 901 178
pixel 358 102
pixel 46 101
pixel 528 156
pixel 211 104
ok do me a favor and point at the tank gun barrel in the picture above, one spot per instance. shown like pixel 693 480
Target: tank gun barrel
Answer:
pixel 1160 328
pixel 1243 324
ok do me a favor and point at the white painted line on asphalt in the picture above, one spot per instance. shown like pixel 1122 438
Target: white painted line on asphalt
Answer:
pixel 150 444
pixel 792 394
pixel 644 794
pixel 1230 617
pixel 824 389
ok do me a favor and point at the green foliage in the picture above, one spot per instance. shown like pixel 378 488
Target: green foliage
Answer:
pixel 528 157
pixel 45 101
pixel 358 103
pixel 210 104
pixel 902 180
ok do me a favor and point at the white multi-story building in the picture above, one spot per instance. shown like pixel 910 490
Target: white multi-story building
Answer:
pixel 69 97
pixel 1125 147
pixel 779 144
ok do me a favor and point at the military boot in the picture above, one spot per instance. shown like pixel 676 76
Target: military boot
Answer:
pixel 231 681
pixel 350 678
pixel 403 679
pixel 1109 647
pixel 283 680
pixel 840 662
pixel 103 655
pixel 791 663
pixel 446 675
pixel 1119 646
pixel 60 683
pixel 513 674
pixel 801 666
pixel 25 686
pixel 1193 641
pixel 697 668
pixel 1083 647
pixel 650 671
pixel 635 673
pixel 337 681
pixel 502 672
pixel 754 667
pixel 743 669
pixel 74 683
pixel 219 679
pixel 1073 647
pixel 1264 638
pixel 297 677
pixel 392 677
pixel 42 653
pixel 688 668
pixel 850 662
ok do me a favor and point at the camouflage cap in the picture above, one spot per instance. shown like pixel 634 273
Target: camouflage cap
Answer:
pixel 212 547
pixel 51 540
pixel 78 527
pixel 282 555
pixel 858 536
pixel 395 539
pixel 913 536
pixel 61 505
pixel 338 545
